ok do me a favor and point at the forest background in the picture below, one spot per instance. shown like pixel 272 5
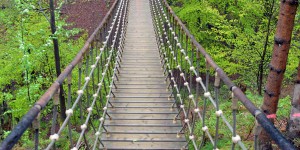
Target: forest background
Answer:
pixel 238 34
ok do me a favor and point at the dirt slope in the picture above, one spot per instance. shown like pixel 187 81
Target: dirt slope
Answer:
pixel 85 14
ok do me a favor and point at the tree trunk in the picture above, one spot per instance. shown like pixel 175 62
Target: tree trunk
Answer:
pixel 284 30
pixel 294 122
pixel 57 60
pixel 262 59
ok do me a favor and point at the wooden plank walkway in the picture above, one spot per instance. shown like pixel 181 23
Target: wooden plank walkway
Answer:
pixel 142 116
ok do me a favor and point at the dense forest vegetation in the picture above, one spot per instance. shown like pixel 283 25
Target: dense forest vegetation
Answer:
pixel 27 58
pixel 242 32
pixel 238 34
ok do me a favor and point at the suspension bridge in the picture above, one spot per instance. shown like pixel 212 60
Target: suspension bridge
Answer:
pixel 140 79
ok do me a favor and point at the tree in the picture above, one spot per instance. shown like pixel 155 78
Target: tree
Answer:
pixel 278 65
pixel 234 30
pixel 269 12
pixel 57 59
pixel 33 54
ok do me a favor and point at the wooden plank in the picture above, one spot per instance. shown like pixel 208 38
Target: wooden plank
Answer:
pixel 140 100
pixel 153 60
pixel 140 106
pixel 144 145
pixel 140 50
pixel 132 92
pixel 142 137
pixel 128 80
pixel 157 73
pixel 154 81
pixel 125 71
pixel 141 128
pixel 145 104
pixel 141 122
pixel 141 86
pixel 141 76
pixel 137 81
pixel 140 91
pixel 152 99
pixel 140 69
pixel 139 54
pixel 142 110
pixel 143 40
pixel 143 36
pixel 141 95
pixel 144 85
pixel 145 116
pixel 140 60
pixel 141 63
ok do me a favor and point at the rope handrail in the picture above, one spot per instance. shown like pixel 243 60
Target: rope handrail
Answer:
pixel 92 43
pixel 176 23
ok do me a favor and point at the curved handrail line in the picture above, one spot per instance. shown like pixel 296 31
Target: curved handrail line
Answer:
pixel 279 139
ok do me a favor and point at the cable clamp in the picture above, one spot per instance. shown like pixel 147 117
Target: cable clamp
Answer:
pixel 205 128
pixel 206 94
pixel 236 139
pixel 69 112
pixel 54 137
pixel 219 113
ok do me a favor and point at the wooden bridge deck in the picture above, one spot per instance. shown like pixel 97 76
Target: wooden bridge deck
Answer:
pixel 142 117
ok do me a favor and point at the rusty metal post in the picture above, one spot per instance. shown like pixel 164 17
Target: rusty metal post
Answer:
pixel 288 9
pixel 69 106
pixel 36 127
pixel 54 117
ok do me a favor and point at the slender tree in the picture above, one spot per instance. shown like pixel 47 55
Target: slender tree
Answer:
pixel 277 66
pixel 269 14
pixel 57 59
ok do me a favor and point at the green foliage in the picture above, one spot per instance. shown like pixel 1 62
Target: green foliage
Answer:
pixel 284 107
pixel 294 55
pixel 236 31
pixel 26 56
